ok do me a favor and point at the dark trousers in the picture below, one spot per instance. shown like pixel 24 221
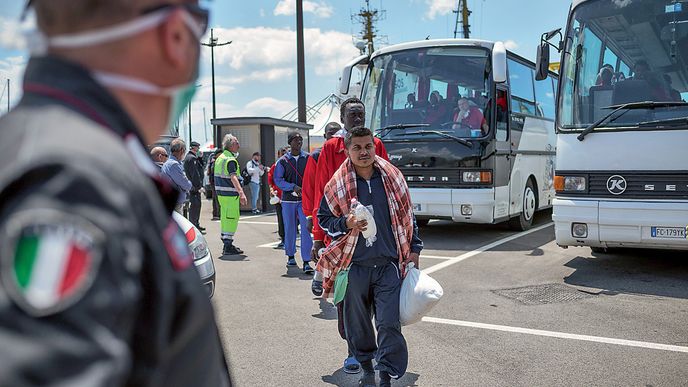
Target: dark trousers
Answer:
pixel 216 204
pixel 194 207
pixel 280 221
pixel 374 290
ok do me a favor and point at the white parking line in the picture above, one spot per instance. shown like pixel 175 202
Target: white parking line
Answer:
pixel 559 335
pixel 479 250
pixel 271 244
pixel 251 216
pixel 256 216
pixel 435 256
pixel 250 222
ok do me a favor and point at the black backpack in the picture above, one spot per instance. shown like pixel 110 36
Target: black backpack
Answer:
pixel 246 176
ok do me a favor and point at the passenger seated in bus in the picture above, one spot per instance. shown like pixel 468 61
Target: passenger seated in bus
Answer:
pixel 604 77
pixel 468 116
pixel 642 86
pixel 657 91
pixel 601 93
pixel 674 95
pixel 410 101
pixel 437 109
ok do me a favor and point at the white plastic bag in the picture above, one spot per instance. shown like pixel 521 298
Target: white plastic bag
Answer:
pixel 419 294
pixel 362 212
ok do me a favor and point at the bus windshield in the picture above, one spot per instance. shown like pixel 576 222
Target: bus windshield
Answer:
pixel 620 52
pixel 436 91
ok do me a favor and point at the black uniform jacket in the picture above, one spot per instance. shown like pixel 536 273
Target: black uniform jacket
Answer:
pixel 114 298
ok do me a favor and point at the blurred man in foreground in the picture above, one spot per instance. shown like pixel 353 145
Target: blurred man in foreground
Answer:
pixel 97 284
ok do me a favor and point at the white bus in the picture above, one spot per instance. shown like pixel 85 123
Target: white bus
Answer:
pixel 467 125
pixel 622 124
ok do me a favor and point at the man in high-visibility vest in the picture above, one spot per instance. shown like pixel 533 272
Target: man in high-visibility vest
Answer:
pixel 229 193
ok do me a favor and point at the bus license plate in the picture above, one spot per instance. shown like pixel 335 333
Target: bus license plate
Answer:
pixel 668 232
pixel 416 207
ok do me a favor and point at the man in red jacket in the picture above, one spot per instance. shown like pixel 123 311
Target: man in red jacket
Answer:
pixel 308 189
pixel 332 155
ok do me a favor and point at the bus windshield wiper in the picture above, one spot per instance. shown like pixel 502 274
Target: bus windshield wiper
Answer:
pixel 439 133
pixel 387 129
pixel 678 121
pixel 627 107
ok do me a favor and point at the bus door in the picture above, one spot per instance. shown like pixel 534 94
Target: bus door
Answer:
pixel 504 155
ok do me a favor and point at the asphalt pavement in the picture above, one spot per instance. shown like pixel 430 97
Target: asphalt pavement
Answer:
pixel 517 311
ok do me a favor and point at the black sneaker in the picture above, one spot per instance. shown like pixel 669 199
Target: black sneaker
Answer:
pixel 280 246
pixel 307 268
pixel 233 251
pixel 385 379
pixel 367 380
pixel 240 251
pixel 291 262
pixel 316 288
pixel 200 228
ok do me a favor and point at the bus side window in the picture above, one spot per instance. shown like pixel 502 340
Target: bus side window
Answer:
pixel 502 115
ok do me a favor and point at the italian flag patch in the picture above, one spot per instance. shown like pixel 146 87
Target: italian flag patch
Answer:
pixel 51 267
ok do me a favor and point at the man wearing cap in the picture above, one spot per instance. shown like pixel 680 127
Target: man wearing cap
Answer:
pixel 159 156
pixel 97 283
pixel 289 178
pixel 193 167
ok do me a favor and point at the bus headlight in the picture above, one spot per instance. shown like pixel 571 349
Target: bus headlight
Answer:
pixel 484 177
pixel 569 183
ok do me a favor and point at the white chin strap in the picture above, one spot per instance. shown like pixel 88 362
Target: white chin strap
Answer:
pixel 136 85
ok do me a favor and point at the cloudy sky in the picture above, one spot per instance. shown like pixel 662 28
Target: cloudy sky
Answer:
pixel 256 74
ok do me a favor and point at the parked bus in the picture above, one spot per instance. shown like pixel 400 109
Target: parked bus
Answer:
pixel 622 123
pixel 466 124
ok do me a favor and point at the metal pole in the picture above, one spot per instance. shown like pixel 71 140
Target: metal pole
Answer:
pixel 8 95
pixel 212 44
pixel 300 62
pixel 189 123
pixel 212 66
pixel 205 125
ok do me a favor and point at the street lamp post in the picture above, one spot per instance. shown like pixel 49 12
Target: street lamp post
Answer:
pixel 212 43
pixel 300 62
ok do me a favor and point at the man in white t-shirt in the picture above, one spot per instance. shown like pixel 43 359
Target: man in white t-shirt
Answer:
pixel 256 170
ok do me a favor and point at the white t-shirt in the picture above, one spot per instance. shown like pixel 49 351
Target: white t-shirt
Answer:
pixel 254 170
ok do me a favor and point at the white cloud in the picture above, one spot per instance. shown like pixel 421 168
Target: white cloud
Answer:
pixel 319 9
pixel 270 75
pixel 268 106
pixel 510 45
pixel 263 48
pixel 439 8
pixel 10 34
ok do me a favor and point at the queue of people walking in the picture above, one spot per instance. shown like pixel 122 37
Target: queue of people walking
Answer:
pixel 315 196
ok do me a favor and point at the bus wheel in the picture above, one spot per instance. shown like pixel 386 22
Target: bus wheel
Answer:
pixel 422 222
pixel 525 220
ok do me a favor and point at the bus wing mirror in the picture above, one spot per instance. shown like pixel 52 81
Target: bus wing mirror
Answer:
pixel 499 62
pixel 542 61
pixel 345 80
pixel 542 58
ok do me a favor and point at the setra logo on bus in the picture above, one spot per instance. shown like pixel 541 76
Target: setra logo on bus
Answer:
pixel 616 185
